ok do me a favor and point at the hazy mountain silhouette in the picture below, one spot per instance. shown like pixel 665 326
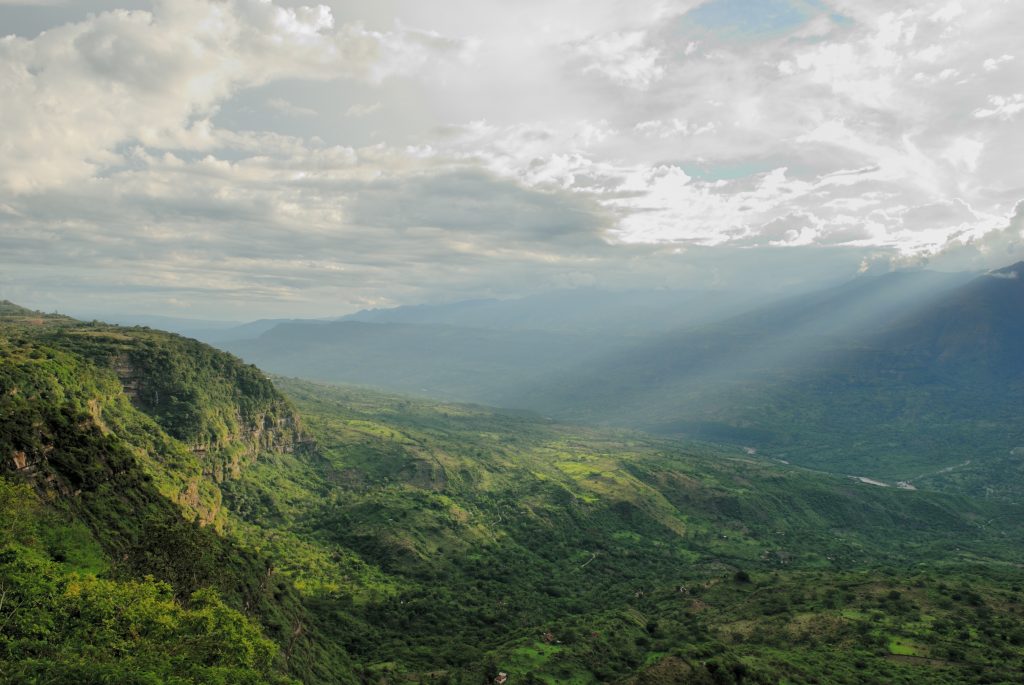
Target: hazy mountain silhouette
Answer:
pixel 896 375
pixel 584 311
pixel 449 362
pixel 900 375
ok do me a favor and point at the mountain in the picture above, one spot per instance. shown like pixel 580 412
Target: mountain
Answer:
pixel 897 378
pixel 434 360
pixel 501 352
pixel 176 516
pixel 208 331
pixel 473 350
pixel 841 379
pixel 121 438
pixel 780 338
pixel 250 330
pixel 583 311
pixel 977 327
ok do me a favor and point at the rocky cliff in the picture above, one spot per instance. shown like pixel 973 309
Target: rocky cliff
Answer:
pixel 190 415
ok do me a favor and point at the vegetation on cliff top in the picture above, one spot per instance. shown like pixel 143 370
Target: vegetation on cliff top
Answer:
pixel 149 501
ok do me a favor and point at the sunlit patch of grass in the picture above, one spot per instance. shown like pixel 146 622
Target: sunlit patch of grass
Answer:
pixel 905 647
pixel 532 657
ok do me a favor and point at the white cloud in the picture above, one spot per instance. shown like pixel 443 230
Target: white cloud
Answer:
pixel 949 12
pixel 361 110
pixel 864 70
pixel 624 58
pixel 993 63
pixel 964 152
pixel 1002 107
pixel 285 107
pixel 1000 244
pixel 672 128
pixel 77 92
pixel 1011 276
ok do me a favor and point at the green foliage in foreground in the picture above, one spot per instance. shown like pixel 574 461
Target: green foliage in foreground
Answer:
pixel 60 623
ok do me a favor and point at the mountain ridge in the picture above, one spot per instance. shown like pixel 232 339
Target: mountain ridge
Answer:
pixel 146 502
pixel 928 379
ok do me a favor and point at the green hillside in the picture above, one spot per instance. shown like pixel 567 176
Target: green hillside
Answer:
pixel 478 532
pixel 134 501
pixel 69 616
pixel 210 535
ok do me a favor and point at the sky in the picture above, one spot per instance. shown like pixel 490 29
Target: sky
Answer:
pixel 239 159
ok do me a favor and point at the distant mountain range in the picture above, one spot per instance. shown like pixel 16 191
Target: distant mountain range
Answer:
pixel 434 360
pixel 898 376
pixel 474 350
pixel 207 330
pixel 631 313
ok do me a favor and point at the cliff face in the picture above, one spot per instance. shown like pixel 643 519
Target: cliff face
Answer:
pixel 224 411
pixel 212 402
pixel 67 428
pixel 188 415
pixel 49 427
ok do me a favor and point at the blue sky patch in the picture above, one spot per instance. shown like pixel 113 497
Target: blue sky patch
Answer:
pixel 728 171
pixel 754 16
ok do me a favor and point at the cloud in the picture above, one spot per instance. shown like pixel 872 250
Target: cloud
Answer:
pixel 284 107
pixel 993 63
pixel 995 248
pixel 1007 275
pixel 948 12
pixel 674 127
pixel 76 93
pixel 480 208
pixel 964 152
pixel 336 236
pixel 623 58
pixel 174 152
pixel 360 110
pixel 1002 107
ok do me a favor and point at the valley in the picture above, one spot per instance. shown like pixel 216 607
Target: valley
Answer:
pixel 358 536
pixel 895 377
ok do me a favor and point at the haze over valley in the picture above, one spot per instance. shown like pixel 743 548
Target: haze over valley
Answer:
pixel 511 343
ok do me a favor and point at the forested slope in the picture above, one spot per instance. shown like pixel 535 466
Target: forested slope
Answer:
pixel 174 520
pixel 466 535
pixel 143 502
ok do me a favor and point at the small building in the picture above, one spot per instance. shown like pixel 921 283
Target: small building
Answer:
pixel 501 678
